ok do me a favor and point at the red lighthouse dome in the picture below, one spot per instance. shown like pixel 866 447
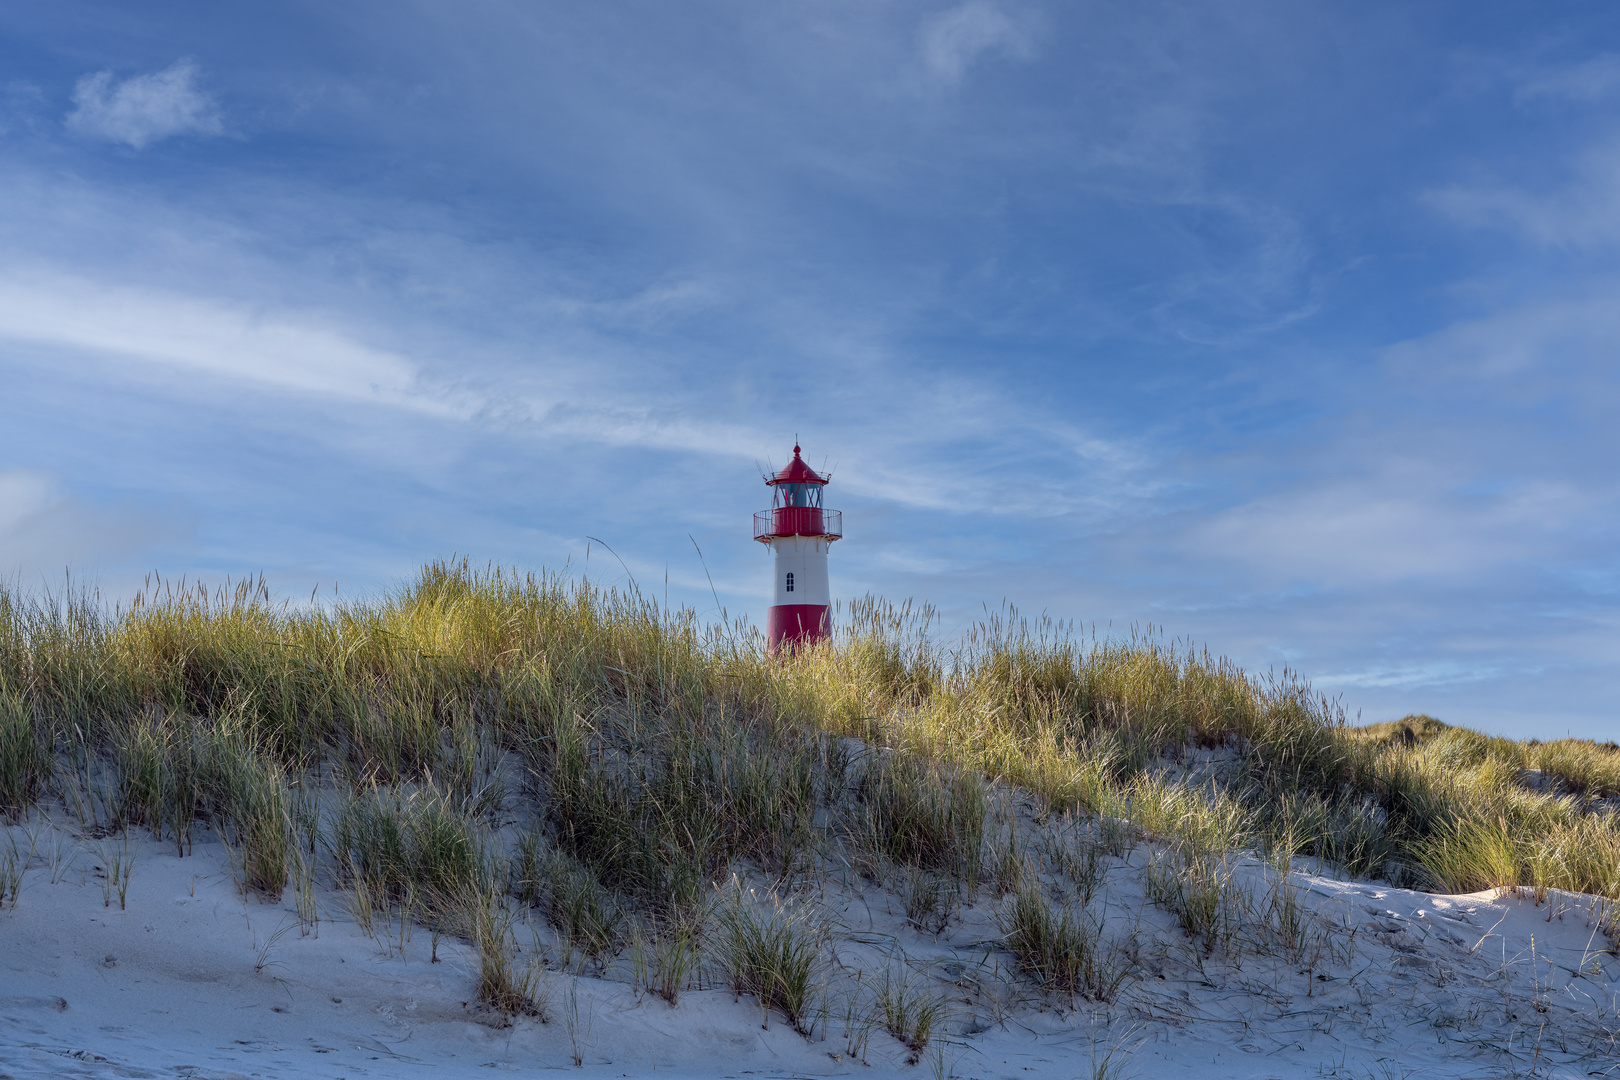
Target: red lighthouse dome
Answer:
pixel 796 508
pixel 798 530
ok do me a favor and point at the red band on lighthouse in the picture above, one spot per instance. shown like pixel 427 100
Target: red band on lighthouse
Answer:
pixel 796 623
pixel 798 530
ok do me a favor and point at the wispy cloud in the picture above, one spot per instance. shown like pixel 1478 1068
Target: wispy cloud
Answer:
pixel 44 529
pixel 277 349
pixel 22 103
pixel 1563 346
pixel 1399 525
pixel 1456 464
pixel 953 42
pixel 144 109
pixel 1584 212
pixel 1590 80
pixel 1437 674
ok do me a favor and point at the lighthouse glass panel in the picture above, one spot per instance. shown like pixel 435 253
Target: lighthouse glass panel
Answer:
pixel 799 494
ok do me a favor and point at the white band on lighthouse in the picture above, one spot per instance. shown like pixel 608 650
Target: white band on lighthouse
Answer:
pixel 801 571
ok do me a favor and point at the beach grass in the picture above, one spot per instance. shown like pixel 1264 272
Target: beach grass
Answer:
pixel 612 762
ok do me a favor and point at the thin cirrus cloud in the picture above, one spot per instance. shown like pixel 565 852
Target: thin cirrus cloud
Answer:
pixel 210 336
pixel 1582 213
pixel 1589 80
pixel 1408 676
pixel 22 105
pixel 294 353
pixel 297 353
pixel 953 41
pixel 45 529
pixel 1556 349
pixel 144 109
pixel 1406 525
pixel 1457 466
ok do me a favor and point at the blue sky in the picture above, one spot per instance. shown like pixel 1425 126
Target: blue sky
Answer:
pixel 1287 328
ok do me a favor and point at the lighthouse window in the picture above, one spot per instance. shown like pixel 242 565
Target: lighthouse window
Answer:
pixel 790 582
pixel 800 494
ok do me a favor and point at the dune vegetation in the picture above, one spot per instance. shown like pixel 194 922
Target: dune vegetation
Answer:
pixel 483 742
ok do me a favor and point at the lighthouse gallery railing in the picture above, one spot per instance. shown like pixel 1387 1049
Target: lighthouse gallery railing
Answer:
pixel 799 521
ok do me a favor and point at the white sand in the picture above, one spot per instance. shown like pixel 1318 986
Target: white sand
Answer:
pixel 170 986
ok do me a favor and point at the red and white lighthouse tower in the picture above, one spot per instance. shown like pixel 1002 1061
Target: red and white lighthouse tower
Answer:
pixel 798 531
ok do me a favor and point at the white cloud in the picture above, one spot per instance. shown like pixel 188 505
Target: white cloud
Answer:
pixel 22 496
pixel 295 351
pixel 1584 213
pixel 282 350
pixel 1566 344
pixel 20 105
pixel 1451 471
pixel 1432 674
pixel 45 530
pixel 144 108
pixel 952 42
pixel 1590 80
pixel 1407 522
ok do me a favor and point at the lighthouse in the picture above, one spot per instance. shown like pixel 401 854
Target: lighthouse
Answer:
pixel 798 531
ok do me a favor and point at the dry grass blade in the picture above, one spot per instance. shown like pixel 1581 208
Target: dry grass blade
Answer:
pixel 775 953
pixel 504 986
pixel 1061 947
pixel 910 1012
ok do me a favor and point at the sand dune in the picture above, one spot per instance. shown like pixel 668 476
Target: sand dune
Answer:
pixel 188 978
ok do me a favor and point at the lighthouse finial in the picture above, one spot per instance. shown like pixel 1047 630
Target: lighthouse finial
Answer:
pixel 795 445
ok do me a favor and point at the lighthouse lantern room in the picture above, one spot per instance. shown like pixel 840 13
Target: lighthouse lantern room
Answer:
pixel 798 530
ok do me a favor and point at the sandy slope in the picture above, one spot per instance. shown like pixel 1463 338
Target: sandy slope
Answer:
pixel 192 980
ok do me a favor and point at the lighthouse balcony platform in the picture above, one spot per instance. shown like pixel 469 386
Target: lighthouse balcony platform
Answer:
pixel 798 521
